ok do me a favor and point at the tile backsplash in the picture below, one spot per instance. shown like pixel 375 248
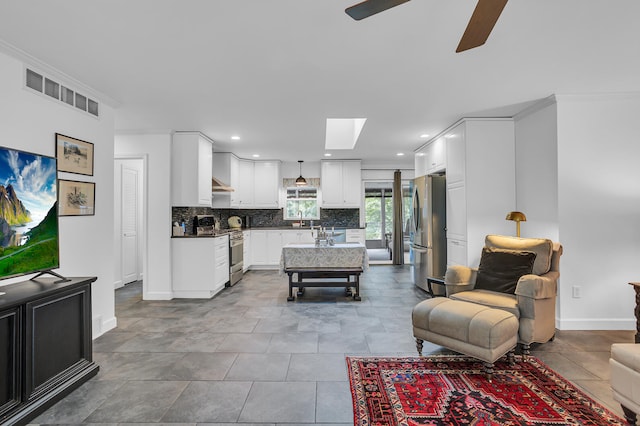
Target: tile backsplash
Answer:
pixel 265 218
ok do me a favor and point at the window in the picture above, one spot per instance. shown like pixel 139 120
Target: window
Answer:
pixel 303 200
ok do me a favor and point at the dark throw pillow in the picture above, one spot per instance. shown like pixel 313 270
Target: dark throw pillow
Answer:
pixel 500 269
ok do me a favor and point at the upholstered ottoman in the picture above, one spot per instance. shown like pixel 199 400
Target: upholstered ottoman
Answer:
pixel 625 378
pixel 471 329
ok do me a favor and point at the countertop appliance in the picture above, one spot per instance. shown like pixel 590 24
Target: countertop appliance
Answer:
pixel 204 224
pixel 235 222
pixel 236 242
pixel 427 234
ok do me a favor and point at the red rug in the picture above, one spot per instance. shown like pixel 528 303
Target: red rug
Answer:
pixel 453 390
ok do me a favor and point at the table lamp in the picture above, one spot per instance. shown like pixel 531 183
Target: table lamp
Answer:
pixel 517 217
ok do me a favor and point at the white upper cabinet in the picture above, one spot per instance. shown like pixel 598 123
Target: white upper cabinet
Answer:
pixel 244 191
pixel 191 156
pixel 341 183
pixel 431 158
pixel 266 184
pixel 437 156
pixel 256 184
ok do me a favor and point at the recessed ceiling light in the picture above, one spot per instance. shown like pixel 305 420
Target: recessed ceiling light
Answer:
pixel 400 154
pixel 256 155
pixel 235 138
pixel 420 154
pixel 424 136
pixel 327 154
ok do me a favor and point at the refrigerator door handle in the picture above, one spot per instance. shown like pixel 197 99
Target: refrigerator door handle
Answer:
pixel 416 210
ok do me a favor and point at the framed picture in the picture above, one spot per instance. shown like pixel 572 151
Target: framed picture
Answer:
pixel 74 155
pixel 76 198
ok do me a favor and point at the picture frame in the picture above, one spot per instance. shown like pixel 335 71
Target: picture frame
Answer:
pixel 76 198
pixel 74 155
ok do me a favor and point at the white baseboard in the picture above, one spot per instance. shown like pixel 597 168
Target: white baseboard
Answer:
pixel 596 324
pixel 264 267
pixel 158 295
pixel 99 327
pixel 118 284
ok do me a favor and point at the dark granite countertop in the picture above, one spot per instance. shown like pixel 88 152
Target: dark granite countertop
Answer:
pixel 222 232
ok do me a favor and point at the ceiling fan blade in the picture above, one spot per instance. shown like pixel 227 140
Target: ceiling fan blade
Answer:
pixel 484 17
pixel 371 7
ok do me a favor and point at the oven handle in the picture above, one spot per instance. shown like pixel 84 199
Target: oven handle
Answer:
pixel 235 243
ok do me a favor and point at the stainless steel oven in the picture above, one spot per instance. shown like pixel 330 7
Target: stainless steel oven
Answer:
pixel 235 257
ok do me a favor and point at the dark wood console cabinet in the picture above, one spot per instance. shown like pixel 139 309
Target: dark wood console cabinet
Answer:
pixel 45 345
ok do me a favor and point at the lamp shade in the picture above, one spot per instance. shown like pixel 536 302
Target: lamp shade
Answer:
pixel 301 181
pixel 516 216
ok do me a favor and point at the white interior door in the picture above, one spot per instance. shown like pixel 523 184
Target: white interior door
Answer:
pixel 128 223
pixel 130 195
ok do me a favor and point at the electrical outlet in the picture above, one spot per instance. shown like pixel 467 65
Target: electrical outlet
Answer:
pixel 576 291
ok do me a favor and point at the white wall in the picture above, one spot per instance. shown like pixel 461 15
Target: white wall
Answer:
pixel 156 149
pixel 29 122
pixel 578 183
pixel 537 170
pixel 599 209
pixel 310 169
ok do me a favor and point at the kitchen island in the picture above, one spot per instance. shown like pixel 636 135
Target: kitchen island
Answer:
pixel 315 266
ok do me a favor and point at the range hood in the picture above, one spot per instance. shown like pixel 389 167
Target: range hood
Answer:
pixel 218 186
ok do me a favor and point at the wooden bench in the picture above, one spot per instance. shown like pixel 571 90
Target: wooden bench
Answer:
pixel 324 273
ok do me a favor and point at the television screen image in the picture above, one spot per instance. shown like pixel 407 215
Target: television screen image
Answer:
pixel 28 213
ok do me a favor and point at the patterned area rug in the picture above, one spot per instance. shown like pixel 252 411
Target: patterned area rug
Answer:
pixel 453 390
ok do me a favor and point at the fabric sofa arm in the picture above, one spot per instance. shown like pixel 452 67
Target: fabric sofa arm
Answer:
pixel 459 278
pixel 538 287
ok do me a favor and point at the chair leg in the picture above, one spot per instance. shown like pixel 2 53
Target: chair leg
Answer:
pixel 419 343
pixel 629 415
pixel 526 350
pixel 488 371
pixel 511 357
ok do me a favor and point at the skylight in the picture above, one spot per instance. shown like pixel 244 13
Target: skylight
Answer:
pixel 343 133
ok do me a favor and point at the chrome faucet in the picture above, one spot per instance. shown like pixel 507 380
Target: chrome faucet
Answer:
pixel 301 222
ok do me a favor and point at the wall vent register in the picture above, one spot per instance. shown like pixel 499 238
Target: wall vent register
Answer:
pixel 61 93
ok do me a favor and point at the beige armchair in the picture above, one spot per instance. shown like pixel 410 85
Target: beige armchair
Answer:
pixel 532 301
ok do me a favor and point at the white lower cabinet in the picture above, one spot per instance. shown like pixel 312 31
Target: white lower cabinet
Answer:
pixel 355 236
pixel 297 236
pixel 274 247
pixel 199 266
pixel 266 246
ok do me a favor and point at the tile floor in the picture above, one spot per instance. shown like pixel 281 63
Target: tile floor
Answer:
pixel 248 356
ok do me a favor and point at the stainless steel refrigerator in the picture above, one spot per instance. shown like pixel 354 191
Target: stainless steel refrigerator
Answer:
pixel 427 233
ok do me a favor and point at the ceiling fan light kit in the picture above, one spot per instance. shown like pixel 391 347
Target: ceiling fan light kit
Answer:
pixel 484 18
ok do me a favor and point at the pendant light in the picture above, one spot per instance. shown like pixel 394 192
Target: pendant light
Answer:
pixel 301 181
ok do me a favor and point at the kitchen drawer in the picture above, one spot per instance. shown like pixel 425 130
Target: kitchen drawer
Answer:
pixel 221 241
pixel 355 236
pixel 220 251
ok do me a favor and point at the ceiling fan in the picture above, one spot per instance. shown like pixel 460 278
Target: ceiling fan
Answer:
pixel 482 21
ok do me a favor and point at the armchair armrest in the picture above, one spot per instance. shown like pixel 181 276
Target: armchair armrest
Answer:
pixel 538 287
pixel 459 278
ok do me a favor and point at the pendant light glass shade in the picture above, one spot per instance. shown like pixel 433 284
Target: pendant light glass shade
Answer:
pixel 301 181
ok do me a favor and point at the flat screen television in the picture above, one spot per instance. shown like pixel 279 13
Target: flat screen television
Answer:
pixel 28 213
